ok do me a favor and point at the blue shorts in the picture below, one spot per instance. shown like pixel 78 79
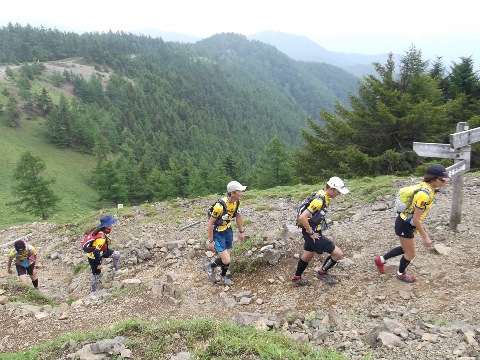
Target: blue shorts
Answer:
pixel 403 228
pixel 223 239
pixel 321 245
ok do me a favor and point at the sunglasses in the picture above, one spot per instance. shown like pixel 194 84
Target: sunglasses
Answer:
pixel 442 180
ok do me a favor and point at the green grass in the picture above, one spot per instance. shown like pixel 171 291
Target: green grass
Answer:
pixel 70 170
pixel 362 190
pixel 25 293
pixel 120 292
pixel 204 338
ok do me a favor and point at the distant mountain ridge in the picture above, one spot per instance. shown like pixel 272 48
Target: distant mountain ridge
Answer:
pixel 302 48
pixel 294 46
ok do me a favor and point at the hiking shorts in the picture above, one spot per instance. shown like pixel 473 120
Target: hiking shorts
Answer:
pixel 321 245
pixel 223 239
pixel 404 229
pixel 25 270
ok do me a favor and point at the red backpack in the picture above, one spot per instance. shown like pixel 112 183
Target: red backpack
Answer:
pixel 87 243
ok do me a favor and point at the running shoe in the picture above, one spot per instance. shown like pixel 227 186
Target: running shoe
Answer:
pixel 326 277
pixel 225 281
pixel 301 282
pixel 380 266
pixel 210 272
pixel 406 278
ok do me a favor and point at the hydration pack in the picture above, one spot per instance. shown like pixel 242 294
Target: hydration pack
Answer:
pixel 404 197
pixel 224 216
pixel 319 216
pixel 87 243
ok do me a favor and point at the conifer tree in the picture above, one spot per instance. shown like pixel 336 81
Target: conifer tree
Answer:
pixel 32 190
pixel 274 167
pixel 375 136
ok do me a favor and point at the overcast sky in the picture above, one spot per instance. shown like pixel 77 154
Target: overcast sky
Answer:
pixel 437 27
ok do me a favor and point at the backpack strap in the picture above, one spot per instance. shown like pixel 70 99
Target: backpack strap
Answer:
pixel 237 204
pixel 412 206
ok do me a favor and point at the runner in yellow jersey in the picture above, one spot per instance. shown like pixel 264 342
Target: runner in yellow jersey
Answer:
pixel 220 233
pixel 412 219
pixel 313 222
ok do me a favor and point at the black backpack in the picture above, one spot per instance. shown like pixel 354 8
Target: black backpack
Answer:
pixel 319 216
pixel 221 219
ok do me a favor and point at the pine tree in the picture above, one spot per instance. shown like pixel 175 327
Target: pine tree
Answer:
pixel 32 190
pixel 274 167
pixel 375 136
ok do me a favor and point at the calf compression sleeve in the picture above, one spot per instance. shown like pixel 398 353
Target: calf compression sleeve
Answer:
pixel 394 252
pixel 217 262
pixel 302 265
pixel 403 265
pixel 224 270
pixel 329 263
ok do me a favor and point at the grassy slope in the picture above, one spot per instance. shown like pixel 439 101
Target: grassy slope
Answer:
pixel 70 169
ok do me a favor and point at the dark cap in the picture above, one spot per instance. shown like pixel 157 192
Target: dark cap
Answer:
pixel 439 171
pixel 20 245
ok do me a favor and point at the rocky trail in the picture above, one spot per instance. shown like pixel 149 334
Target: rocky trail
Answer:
pixel 365 314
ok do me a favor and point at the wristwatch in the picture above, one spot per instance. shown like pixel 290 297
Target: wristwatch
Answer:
pixel 311 233
pixel 210 241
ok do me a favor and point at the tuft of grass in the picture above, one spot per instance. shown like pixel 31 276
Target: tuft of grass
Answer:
pixel 242 262
pixel 26 293
pixel 119 293
pixel 80 267
pixel 204 338
pixel 265 208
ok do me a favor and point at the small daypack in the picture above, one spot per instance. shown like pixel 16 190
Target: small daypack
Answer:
pixel 87 243
pixel 319 216
pixel 404 197
pixel 224 216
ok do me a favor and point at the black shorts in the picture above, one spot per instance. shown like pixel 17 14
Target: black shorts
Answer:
pixel 25 270
pixel 403 228
pixel 93 264
pixel 321 245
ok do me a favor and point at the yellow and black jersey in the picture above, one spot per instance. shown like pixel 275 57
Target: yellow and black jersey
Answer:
pixel 232 209
pixel 318 203
pixel 25 259
pixel 422 200
pixel 317 209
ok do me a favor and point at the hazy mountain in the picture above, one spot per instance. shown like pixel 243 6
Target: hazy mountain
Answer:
pixel 294 46
pixel 302 48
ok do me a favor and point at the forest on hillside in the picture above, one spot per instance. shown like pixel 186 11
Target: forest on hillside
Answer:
pixel 180 120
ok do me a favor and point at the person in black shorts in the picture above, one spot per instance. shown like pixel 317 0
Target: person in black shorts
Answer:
pixel 411 220
pixel 25 257
pixel 313 221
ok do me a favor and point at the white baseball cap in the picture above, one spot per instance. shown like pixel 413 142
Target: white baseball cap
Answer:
pixel 337 183
pixel 235 186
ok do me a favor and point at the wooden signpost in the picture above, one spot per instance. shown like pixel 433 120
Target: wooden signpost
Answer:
pixel 459 149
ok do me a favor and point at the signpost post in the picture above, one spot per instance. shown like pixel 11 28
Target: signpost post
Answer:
pixel 459 149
